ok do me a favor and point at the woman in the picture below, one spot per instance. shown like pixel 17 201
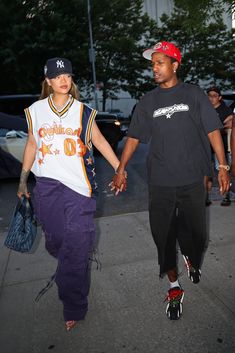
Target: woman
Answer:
pixel 59 153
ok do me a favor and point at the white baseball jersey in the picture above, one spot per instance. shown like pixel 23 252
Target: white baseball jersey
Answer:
pixel 64 148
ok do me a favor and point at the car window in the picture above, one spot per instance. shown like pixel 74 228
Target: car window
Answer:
pixel 16 104
pixel 100 116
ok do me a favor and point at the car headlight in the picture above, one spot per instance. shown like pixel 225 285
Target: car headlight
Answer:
pixel 117 123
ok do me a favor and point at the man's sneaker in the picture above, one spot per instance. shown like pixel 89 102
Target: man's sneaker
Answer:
pixel 174 300
pixel 226 201
pixel 193 273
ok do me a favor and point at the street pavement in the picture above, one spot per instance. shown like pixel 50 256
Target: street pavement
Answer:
pixel 126 301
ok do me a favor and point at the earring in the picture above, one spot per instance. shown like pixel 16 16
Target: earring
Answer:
pixel 174 71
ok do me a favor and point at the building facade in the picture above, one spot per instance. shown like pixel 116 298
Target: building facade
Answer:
pixel 155 8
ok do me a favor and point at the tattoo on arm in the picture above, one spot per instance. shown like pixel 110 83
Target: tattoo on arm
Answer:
pixel 23 181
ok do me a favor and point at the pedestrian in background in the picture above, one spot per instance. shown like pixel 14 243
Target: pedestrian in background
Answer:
pixel 226 115
pixel 61 131
pixel 179 122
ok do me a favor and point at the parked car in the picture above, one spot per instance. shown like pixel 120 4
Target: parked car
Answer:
pixel 16 103
pixel 109 124
pixel 110 127
pixel 12 145
pixel 118 113
pixel 13 132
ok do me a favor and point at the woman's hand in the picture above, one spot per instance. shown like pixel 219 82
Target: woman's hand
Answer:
pixel 22 188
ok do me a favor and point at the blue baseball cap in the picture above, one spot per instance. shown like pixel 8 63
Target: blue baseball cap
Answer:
pixel 57 66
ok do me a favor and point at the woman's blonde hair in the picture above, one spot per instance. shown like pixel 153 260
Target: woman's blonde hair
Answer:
pixel 47 90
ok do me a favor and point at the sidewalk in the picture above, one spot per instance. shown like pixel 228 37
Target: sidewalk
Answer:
pixel 126 312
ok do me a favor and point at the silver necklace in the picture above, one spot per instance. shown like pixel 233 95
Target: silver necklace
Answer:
pixel 59 110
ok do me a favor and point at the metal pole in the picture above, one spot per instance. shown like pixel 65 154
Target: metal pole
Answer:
pixel 91 54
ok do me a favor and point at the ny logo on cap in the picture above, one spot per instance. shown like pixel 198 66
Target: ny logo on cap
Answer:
pixel 60 64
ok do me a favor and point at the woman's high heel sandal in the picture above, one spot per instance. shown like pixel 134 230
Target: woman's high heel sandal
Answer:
pixel 70 325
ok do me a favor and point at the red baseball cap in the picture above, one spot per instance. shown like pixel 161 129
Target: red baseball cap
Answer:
pixel 166 48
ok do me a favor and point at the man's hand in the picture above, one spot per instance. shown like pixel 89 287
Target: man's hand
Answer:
pixel 224 181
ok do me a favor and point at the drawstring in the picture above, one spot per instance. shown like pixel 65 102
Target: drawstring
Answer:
pixel 95 258
pixel 46 288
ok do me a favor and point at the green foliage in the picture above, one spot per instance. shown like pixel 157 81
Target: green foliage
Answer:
pixel 48 28
pixel 31 31
pixel 207 45
pixel 120 35
pixel 39 30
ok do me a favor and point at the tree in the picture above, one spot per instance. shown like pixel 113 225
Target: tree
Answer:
pixel 207 45
pixel 121 32
pixel 49 28
pixel 39 30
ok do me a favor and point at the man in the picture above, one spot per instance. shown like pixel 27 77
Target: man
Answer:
pixel 178 120
pixel 226 115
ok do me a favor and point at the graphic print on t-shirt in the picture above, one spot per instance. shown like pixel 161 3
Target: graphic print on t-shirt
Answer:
pixel 175 122
pixel 70 143
pixel 169 111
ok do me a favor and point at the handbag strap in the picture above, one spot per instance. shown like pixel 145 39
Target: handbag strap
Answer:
pixel 30 204
pixel 20 203
pixel 26 202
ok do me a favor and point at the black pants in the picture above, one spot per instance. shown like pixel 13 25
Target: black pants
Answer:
pixel 178 213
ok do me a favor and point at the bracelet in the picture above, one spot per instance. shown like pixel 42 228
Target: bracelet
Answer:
pixel 123 174
pixel 222 166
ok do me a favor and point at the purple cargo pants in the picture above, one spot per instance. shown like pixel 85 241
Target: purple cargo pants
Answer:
pixel 67 220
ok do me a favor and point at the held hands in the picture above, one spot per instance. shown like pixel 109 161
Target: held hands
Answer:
pixel 119 182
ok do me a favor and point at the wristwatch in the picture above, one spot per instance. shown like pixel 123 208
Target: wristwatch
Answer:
pixel 226 167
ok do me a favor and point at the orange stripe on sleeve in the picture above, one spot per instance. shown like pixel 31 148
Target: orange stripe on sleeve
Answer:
pixel 89 126
pixel 29 120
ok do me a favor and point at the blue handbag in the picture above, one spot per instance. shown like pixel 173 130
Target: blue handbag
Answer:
pixel 23 227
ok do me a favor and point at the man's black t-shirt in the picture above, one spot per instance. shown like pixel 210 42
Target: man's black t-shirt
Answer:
pixel 223 112
pixel 176 121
